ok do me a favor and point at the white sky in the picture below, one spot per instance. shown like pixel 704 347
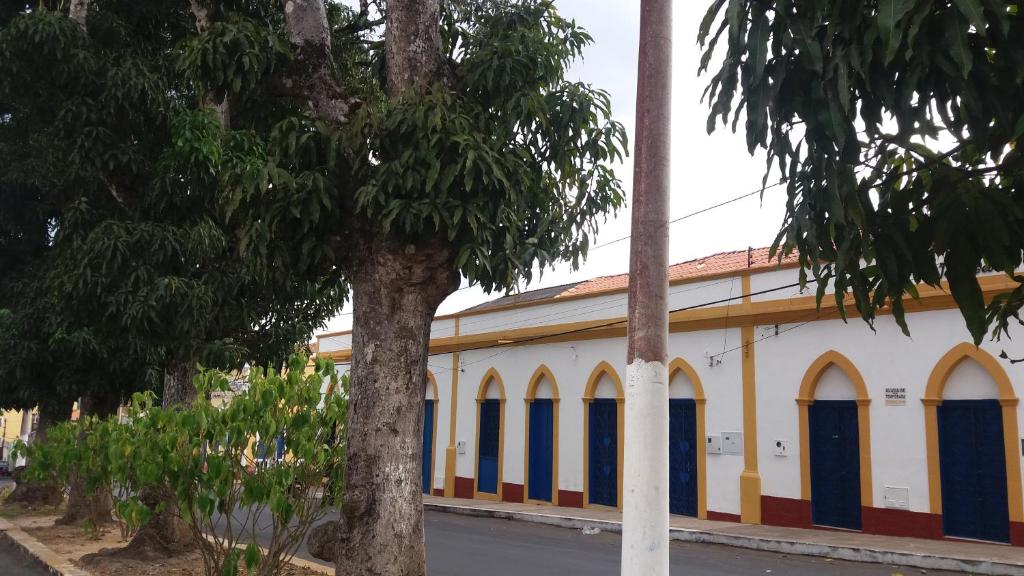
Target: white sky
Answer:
pixel 706 169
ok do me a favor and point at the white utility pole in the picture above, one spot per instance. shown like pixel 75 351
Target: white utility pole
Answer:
pixel 645 478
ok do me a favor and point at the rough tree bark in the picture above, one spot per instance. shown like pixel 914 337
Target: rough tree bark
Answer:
pixel 412 45
pixel 311 77
pixel 78 11
pixel 396 291
pixel 33 494
pixel 219 103
pixel 165 534
pixel 83 506
pixel 397 287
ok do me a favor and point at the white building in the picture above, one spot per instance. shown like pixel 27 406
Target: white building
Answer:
pixel 781 414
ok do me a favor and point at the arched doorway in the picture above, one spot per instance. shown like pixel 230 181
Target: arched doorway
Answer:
pixel 429 432
pixel 541 462
pixel 490 436
pixel 687 449
pixel 835 442
pixel 603 419
pixel 971 427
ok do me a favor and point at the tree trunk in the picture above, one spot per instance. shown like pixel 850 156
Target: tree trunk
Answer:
pixel 96 507
pixel 165 534
pixel 412 40
pixel 33 494
pixel 396 291
pixel 179 389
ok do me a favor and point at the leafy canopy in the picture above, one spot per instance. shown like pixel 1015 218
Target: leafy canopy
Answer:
pixel 897 126
pixel 503 158
pixel 111 174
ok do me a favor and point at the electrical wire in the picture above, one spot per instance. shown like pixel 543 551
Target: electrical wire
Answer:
pixel 620 322
pixel 679 219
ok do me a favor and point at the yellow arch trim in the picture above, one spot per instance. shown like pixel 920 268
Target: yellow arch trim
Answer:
pixel 680 365
pixel 1007 398
pixel 433 384
pixel 433 433
pixel 545 372
pixel 804 399
pixel 595 376
pixel 491 375
pixel 588 395
pixel 542 371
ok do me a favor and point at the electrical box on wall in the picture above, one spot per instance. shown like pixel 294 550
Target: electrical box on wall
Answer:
pixel 732 442
pixel 714 444
pixel 781 447
pixel 897 497
pixel 460 447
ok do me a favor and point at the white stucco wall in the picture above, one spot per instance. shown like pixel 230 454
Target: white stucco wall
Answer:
pixel 884 357
pixel 723 388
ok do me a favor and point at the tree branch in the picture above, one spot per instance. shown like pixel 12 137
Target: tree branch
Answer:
pixel 220 106
pixel 79 11
pixel 412 45
pixel 311 75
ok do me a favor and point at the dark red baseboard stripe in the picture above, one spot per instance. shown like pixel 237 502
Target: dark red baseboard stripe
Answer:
pixel 1017 533
pixel 511 492
pixel 890 522
pixel 570 499
pixel 463 487
pixel 723 516
pixel 788 512
pixel 438 491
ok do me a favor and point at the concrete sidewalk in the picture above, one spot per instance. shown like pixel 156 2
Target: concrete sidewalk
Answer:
pixel 963 556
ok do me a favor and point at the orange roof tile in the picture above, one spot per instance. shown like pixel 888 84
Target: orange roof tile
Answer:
pixel 755 259
pixel 713 265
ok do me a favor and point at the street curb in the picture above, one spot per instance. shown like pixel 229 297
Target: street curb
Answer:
pixel 43 556
pixel 854 554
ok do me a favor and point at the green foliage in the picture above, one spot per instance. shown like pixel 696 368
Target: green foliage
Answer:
pixel 204 457
pixel 110 200
pixel 504 158
pixel 897 126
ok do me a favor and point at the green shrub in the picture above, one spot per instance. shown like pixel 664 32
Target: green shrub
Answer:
pixel 204 456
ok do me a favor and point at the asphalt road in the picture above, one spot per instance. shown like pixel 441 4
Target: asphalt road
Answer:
pixel 466 546
pixel 14 563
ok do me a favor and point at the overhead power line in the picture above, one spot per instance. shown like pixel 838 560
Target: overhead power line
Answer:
pixel 679 219
pixel 618 322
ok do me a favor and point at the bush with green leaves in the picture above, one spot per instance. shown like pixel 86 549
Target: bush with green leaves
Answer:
pixel 205 456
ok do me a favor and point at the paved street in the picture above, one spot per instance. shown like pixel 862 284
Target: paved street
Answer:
pixel 14 563
pixel 466 546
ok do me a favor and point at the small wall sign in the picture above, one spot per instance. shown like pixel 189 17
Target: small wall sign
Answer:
pixel 896 396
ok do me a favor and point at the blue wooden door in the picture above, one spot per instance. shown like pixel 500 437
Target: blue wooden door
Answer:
pixel 835 463
pixel 428 443
pixel 490 437
pixel 682 457
pixel 972 465
pixel 604 452
pixel 542 422
pixel 280 447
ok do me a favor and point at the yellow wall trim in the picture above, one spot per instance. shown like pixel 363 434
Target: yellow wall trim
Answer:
pixel 750 478
pixel 588 395
pixel 763 313
pixel 594 294
pixel 542 371
pixel 1008 399
pixel 805 399
pixel 450 454
pixel 680 365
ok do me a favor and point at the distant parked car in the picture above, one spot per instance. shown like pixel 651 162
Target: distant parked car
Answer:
pixel 5 468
